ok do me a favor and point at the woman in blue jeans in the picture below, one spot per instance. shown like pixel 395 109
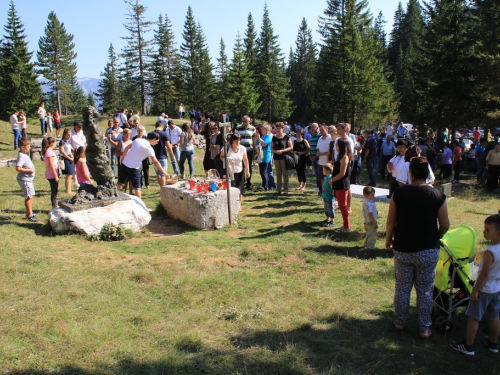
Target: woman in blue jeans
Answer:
pixel 265 166
pixel 187 141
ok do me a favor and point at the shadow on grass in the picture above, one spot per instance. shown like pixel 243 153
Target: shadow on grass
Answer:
pixel 335 344
pixel 301 227
pixel 358 252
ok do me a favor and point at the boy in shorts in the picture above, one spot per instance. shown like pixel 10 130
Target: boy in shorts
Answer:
pixel 25 177
pixel 485 296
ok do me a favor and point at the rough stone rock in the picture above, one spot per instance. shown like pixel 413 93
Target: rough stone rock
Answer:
pixel 202 211
pixel 131 214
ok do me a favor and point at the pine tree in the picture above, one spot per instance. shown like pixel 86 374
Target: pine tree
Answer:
pixel 130 92
pixel 301 72
pixel 138 51
pixel 164 69
pixel 451 64
pixel 19 88
pixel 249 43
pixel 240 83
pixel 272 82
pixel 196 65
pixel 55 58
pixel 352 84
pixel 91 99
pixel 77 99
pixel 381 39
pixel 108 92
pixel 396 35
pixel 488 33
pixel 221 71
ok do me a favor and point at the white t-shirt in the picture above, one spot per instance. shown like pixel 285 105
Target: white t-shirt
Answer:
pixel 66 146
pixel 77 139
pixel 41 112
pixel 492 283
pixel 404 175
pixel 13 121
pixel 398 163
pixel 286 129
pixel 163 121
pixel 389 130
pixel 323 146
pixel 174 134
pixel 237 157
pixel 140 150
pixel 351 143
pixel 123 119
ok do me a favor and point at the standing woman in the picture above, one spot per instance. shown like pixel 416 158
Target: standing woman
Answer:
pixel 67 155
pixel 301 149
pixel 120 148
pixel 51 168
pixel 206 131
pixel 238 153
pixel 340 180
pixel 281 144
pixel 457 160
pixel 22 121
pixel 114 135
pixel 417 219
pixel 396 164
pixel 57 123
pixel 265 165
pixel 187 141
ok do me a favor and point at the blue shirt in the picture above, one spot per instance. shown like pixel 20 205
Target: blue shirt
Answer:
pixel 388 148
pixel 266 150
pixel 328 192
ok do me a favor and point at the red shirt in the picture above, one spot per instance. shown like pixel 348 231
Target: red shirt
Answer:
pixel 457 154
pixel 57 117
pixel 477 135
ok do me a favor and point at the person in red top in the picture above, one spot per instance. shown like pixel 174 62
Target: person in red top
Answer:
pixel 457 160
pixel 57 121
pixel 477 136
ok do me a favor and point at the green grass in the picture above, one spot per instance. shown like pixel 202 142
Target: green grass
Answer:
pixel 277 294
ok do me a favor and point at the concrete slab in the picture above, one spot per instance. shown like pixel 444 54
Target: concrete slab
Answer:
pixel 380 193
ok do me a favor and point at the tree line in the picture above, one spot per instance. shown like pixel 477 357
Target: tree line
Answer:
pixel 439 65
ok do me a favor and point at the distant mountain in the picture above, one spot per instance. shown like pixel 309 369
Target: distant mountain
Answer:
pixel 87 84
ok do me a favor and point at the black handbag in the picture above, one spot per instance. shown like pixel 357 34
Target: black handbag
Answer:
pixel 291 160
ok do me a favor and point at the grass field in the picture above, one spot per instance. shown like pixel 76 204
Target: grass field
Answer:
pixel 276 294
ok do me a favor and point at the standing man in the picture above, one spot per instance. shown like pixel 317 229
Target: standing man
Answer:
pixel 313 153
pixel 134 117
pixel 15 128
pixel 402 131
pixel 477 136
pixel 286 129
pixel 41 115
pixel 163 119
pixel 133 156
pixel 369 151
pixel 390 129
pixel 135 124
pixel 174 136
pixel 248 140
pixel 161 149
pixel 123 118
pixel 388 149
pixel 322 146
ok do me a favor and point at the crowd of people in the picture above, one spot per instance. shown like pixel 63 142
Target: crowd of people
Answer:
pixel 335 156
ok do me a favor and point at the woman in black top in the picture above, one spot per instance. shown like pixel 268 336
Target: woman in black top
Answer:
pixel 301 148
pixel 417 218
pixel 280 145
pixel 341 180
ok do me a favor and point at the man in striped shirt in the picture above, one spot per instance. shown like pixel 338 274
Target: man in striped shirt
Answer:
pixel 247 134
pixel 313 143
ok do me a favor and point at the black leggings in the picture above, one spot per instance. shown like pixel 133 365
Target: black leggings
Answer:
pixel 54 188
pixel 301 170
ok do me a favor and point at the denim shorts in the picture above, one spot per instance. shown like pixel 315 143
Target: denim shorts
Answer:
pixel 487 302
pixel 164 165
pixel 130 174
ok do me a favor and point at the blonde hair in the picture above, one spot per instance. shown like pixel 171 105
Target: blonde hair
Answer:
pixel 267 126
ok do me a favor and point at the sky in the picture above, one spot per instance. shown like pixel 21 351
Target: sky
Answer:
pixel 97 23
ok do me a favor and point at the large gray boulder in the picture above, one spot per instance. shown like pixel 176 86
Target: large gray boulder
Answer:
pixel 131 214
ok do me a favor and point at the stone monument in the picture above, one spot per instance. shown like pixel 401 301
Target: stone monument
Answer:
pixel 93 207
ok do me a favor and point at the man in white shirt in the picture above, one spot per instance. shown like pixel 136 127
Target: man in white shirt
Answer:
pixel 135 124
pixel 15 128
pixel 286 128
pixel 322 147
pixel 123 118
pixel 402 131
pixel 174 133
pixel 41 115
pixel 389 130
pixel 132 158
pixel 163 119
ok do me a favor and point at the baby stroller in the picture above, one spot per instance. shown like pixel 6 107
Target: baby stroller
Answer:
pixel 453 283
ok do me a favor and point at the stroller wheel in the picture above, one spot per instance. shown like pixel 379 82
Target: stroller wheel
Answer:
pixel 443 325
